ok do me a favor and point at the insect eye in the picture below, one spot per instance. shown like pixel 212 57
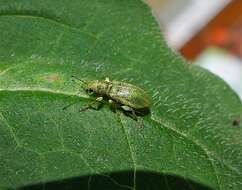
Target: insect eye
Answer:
pixel 90 91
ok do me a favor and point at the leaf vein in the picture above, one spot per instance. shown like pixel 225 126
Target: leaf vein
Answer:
pixel 51 20
pixel 130 150
pixel 207 152
pixel 10 130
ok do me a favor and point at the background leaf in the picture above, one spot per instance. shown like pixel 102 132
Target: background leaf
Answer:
pixel 188 140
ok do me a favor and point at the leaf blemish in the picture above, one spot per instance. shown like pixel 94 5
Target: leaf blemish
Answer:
pixel 236 122
pixel 51 78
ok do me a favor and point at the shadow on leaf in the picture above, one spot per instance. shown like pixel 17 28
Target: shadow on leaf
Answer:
pixel 120 181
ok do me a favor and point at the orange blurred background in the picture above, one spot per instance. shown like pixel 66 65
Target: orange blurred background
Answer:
pixel 207 33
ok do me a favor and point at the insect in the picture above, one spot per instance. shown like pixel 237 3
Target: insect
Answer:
pixel 128 97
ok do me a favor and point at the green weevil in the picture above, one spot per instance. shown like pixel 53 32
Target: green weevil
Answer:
pixel 128 97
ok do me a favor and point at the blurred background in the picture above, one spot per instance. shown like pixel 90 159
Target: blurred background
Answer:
pixel 207 33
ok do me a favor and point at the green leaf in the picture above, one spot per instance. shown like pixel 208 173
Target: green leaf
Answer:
pixel 187 142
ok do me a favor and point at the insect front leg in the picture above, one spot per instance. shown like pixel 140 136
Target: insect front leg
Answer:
pixel 67 106
pixel 107 79
pixel 93 105
pixel 113 105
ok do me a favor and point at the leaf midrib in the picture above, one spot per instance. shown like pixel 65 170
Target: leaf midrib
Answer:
pixel 45 90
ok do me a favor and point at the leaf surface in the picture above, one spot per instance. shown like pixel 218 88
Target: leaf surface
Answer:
pixel 187 141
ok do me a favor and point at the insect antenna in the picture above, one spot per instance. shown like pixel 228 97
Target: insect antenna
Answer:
pixel 74 77
pixel 84 82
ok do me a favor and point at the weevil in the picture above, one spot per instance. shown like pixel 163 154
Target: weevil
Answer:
pixel 128 97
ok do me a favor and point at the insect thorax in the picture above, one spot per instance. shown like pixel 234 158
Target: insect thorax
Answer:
pixel 100 87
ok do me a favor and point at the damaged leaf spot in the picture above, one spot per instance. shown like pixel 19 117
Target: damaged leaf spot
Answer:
pixel 236 122
pixel 51 78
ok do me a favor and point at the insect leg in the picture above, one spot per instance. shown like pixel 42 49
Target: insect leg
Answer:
pixel 70 104
pixel 107 79
pixel 67 106
pixel 113 105
pixel 129 109
pixel 133 114
pixel 110 102
pixel 91 105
